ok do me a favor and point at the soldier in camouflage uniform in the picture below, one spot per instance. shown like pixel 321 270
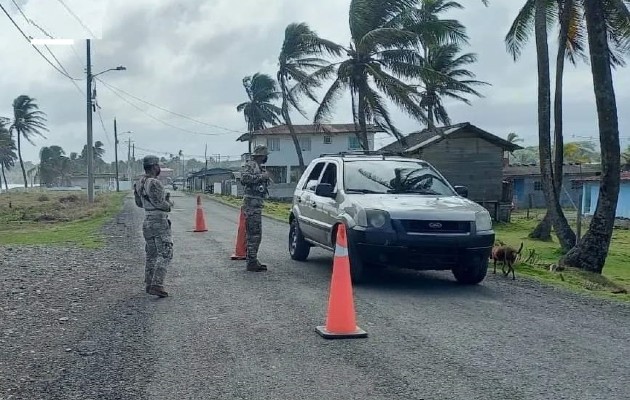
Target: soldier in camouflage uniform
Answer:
pixel 255 181
pixel 156 229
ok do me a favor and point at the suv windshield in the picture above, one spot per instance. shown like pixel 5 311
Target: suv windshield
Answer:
pixel 394 176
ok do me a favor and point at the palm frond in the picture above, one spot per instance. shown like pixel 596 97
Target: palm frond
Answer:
pixel 521 30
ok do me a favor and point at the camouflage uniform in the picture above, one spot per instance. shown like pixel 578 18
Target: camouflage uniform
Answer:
pixel 255 188
pixel 156 229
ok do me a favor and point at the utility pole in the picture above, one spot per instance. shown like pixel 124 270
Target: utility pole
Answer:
pixel 129 160
pixel 90 151
pixel 116 155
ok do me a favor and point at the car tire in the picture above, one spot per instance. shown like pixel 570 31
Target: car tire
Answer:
pixel 359 271
pixel 299 248
pixel 472 273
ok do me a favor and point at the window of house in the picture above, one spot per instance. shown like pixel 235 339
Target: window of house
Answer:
pixel 313 177
pixel 273 144
pixel 538 185
pixel 327 139
pixel 295 174
pixel 305 143
pixel 353 143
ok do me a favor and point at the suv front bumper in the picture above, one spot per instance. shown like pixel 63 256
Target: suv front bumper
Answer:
pixel 421 252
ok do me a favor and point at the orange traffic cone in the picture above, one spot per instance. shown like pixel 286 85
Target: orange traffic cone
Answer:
pixel 240 252
pixel 341 320
pixel 200 219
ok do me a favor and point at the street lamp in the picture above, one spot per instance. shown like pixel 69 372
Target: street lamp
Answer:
pixel 90 155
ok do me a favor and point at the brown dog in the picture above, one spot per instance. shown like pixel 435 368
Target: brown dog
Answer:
pixel 506 255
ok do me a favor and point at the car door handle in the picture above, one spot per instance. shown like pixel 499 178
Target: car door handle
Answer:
pixel 314 204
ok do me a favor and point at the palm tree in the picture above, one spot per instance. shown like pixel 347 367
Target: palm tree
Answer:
pixel 425 21
pixel 54 166
pixel 581 152
pixel 382 53
pixel 451 80
pixel 513 137
pixel 259 111
pixel 28 121
pixel 537 12
pixel 625 158
pixel 605 20
pixel 7 151
pixel 299 62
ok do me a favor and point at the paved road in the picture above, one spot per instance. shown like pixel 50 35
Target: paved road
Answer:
pixel 229 334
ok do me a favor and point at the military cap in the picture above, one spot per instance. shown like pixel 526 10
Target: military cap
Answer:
pixel 260 150
pixel 149 161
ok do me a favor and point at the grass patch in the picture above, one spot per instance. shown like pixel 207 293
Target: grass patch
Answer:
pixel 55 218
pixel 537 256
pixel 272 209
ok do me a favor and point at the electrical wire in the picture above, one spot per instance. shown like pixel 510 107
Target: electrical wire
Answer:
pixel 34 47
pixel 157 119
pixel 112 87
pixel 100 117
pixel 63 3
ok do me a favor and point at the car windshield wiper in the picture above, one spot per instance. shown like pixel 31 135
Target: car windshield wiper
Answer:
pixel 415 191
pixel 364 191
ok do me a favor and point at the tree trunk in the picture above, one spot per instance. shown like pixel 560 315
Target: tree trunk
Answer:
pixel 4 178
pixel 19 149
pixel 430 118
pixel 590 254
pixel 363 139
pixel 543 230
pixel 287 120
pixel 566 237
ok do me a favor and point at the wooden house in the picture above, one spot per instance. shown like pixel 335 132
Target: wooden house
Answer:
pixel 469 156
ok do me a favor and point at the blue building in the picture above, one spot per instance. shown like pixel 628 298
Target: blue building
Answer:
pixel 590 193
pixel 527 184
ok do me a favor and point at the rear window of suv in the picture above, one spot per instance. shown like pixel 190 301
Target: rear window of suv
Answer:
pixel 395 177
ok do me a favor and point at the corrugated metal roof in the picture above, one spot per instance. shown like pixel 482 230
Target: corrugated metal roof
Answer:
pixel 534 170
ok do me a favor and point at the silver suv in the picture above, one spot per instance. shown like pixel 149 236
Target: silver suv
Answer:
pixel 398 212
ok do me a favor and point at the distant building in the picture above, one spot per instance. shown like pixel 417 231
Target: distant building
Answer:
pixel 205 179
pixel 315 140
pixel 590 195
pixel 527 183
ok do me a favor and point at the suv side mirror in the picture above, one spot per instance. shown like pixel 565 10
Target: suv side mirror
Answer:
pixel 325 190
pixel 462 191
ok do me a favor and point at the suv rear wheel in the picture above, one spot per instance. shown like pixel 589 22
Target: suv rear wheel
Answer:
pixel 473 272
pixel 299 248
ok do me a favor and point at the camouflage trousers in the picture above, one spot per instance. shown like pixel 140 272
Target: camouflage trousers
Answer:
pixel 156 230
pixel 252 208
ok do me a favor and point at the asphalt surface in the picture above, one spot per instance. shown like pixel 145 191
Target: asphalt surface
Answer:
pixel 230 334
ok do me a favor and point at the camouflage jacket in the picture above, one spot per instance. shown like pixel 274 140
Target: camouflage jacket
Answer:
pixel 254 182
pixel 149 194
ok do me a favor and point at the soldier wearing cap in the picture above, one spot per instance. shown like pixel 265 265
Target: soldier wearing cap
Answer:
pixel 255 182
pixel 156 229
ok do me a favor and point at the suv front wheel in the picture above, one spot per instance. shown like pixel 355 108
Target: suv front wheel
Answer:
pixel 473 272
pixel 299 248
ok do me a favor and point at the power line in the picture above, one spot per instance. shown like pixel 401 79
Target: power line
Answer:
pixel 100 117
pixel 32 45
pixel 155 118
pixel 77 18
pixel 169 111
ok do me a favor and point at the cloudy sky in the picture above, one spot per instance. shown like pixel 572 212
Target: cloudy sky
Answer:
pixel 190 56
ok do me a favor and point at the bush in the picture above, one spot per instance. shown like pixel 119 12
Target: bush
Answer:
pixel 73 198
pixel 43 197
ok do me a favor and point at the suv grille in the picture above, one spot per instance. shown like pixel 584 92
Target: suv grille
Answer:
pixel 414 226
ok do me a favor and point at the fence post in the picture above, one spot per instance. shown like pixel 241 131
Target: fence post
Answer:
pixel 579 218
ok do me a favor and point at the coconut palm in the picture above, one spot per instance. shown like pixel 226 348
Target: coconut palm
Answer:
pixel 607 22
pixel 54 166
pixel 7 151
pixel 300 62
pixel 381 54
pixel 513 137
pixel 27 122
pixel 259 111
pixel 452 80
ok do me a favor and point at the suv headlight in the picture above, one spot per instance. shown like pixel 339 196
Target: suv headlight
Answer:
pixel 376 218
pixel 483 221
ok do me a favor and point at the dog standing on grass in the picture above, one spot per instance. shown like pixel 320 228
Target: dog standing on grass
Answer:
pixel 506 255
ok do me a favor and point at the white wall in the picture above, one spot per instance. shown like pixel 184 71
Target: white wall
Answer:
pixel 286 155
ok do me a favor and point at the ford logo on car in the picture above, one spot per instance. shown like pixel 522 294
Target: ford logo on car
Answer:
pixel 435 225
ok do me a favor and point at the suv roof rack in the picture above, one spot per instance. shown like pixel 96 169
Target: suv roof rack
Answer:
pixel 362 153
